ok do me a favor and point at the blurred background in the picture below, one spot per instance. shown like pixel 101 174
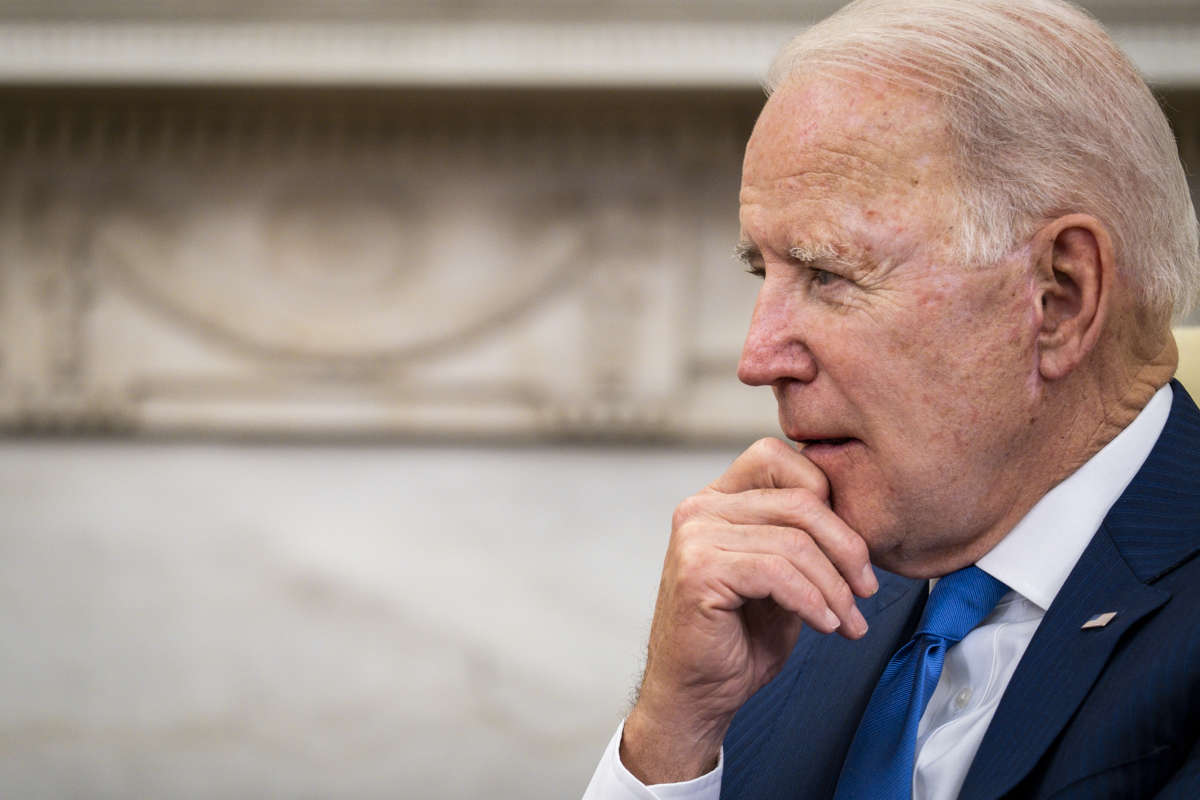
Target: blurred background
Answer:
pixel 355 355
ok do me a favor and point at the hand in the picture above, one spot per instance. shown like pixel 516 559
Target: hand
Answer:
pixel 752 559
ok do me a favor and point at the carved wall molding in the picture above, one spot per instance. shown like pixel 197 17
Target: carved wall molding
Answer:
pixel 384 264
pixel 516 10
pixel 552 51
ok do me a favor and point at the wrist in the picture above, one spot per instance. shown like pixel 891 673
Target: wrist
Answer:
pixel 660 751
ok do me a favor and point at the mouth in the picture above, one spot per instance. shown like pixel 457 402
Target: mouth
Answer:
pixel 822 447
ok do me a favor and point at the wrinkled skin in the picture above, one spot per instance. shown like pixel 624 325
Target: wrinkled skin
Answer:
pixel 925 363
pixel 932 402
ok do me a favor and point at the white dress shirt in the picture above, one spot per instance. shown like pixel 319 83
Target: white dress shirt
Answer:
pixel 1033 560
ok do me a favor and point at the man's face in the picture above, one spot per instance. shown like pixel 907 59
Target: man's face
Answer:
pixel 910 377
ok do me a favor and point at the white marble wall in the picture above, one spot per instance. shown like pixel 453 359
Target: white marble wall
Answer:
pixel 230 621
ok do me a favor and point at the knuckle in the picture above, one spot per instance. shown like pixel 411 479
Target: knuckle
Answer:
pixel 804 504
pixel 809 596
pixel 856 551
pixel 685 511
pixel 801 544
pixel 769 447
pixel 760 445
pixel 764 572
pixel 778 568
pixel 691 557
pixel 842 596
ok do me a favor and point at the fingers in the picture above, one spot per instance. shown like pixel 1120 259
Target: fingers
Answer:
pixel 772 464
pixel 807 559
pixel 785 564
pixel 801 516
pixel 764 530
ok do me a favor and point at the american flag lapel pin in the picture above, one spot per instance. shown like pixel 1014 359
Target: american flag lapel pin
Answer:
pixel 1099 621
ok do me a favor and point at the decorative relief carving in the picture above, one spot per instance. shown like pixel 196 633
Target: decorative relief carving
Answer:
pixel 334 268
pixel 285 269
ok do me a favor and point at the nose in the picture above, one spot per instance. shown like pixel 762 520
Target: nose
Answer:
pixel 775 347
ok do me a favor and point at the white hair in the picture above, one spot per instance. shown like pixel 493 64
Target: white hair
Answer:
pixel 1047 116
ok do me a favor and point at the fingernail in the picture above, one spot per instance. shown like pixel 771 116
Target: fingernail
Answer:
pixel 831 621
pixel 869 580
pixel 858 622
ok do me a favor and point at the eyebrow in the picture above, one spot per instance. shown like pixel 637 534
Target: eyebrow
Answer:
pixel 747 253
pixel 819 252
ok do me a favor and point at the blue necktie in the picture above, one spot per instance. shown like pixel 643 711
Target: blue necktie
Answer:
pixel 879 765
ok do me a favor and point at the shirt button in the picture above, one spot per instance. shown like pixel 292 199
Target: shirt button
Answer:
pixel 962 698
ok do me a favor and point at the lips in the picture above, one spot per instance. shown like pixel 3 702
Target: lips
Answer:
pixel 824 450
pixel 818 439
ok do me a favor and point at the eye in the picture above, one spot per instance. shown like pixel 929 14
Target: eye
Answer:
pixel 823 277
pixel 756 271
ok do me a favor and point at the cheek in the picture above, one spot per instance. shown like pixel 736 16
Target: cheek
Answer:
pixel 978 333
pixel 944 379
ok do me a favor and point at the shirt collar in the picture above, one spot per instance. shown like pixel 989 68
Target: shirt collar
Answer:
pixel 1036 556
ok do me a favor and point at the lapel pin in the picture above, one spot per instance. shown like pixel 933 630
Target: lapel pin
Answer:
pixel 1099 621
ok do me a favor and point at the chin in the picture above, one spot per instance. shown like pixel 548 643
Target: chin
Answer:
pixel 889 543
pixel 910 552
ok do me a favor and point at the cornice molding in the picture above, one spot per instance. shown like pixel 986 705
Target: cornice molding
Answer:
pixel 454 54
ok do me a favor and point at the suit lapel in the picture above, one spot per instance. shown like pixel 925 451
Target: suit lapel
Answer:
pixel 1062 662
pixel 1152 528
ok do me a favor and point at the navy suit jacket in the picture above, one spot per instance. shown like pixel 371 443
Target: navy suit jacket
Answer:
pixel 1102 713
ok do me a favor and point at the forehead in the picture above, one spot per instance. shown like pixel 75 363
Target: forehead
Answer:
pixel 857 162
pixel 871 128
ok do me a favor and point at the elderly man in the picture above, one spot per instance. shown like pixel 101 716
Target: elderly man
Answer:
pixel 972 230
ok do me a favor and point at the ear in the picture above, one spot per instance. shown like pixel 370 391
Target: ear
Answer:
pixel 1075 274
